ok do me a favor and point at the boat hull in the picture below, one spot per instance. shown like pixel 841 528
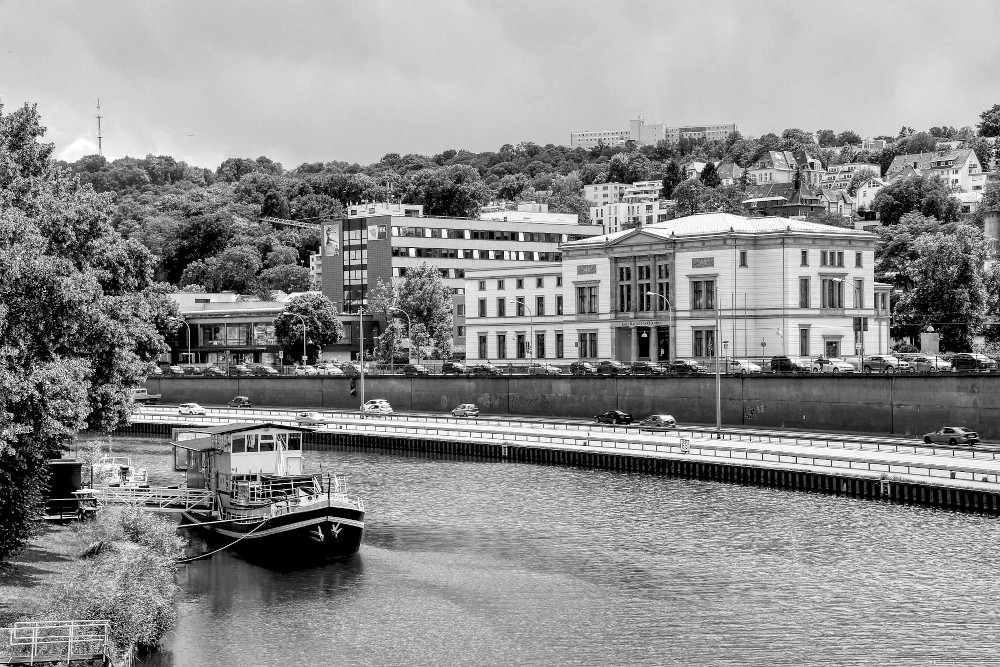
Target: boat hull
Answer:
pixel 323 533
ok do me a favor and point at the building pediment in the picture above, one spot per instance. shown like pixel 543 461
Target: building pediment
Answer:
pixel 638 237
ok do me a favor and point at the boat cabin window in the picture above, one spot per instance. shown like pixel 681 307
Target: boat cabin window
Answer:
pixel 266 443
pixel 239 444
pixel 251 444
pixel 294 442
pixel 282 441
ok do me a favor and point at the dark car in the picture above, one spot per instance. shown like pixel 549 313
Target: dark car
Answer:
pixel 953 435
pixel 240 402
pixel 613 417
pixel 783 364
pixel 261 369
pixel 486 369
pixel 214 371
pixel 647 368
pixel 453 368
pixel 240 370
pixel 582 368
pixel 971 362
pixel 193 370
pixel 686 367
pixel 610 367
pixel 415 369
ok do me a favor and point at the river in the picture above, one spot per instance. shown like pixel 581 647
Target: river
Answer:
pixel 490 563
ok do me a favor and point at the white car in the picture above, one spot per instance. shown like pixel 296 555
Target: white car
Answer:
pixel 330 369
pixel 466 410
pixel 376 406
pixel 306 370
pixel 191 409
pixel 309 418
pixel 742 366
pixel 832 365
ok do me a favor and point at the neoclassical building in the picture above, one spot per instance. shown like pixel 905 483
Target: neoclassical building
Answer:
pixel 756 286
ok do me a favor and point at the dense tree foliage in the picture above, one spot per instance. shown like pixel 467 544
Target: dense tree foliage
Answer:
pixel 321 320
pixel 916 194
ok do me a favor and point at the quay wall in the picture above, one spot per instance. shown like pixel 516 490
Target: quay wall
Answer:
pixel 903 405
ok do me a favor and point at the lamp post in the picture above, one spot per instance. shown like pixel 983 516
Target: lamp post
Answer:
pixel 188 339
pixel 531 329
pixel 670 311
pixel 409 329
pixel 361 352
pixel 305 355
pixel 861 320
pixel 718 368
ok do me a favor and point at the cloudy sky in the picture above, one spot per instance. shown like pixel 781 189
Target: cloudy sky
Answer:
pixel 305 81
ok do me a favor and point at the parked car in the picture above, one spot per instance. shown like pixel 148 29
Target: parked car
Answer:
pixel 929 363
pixel 376 406
pixel 833 365
pixel 214 371
pixel 582 368
pixel 305 370
pixel 544 369
pixel 329 369
pixel 155 370
pixel 240 370
pixel 190 409
pixel 658 421
pixel 309 418
pixel 466 410
pixel 953 435
pixel 886 363
pixel 411 370
pixel 193 370
pixel 611 367
pixel 740 366
pixel 613 417
pixel 261 369
pixel 647 368
pixel 175 370
pixel 453 368
pixel 685 367
pixel 971 362
pixel 240 402
pixel 486 369
pixel 783 364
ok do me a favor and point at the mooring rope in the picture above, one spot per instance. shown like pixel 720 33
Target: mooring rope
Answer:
pixel 206 555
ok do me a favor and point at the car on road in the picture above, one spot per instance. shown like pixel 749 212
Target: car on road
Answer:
pixel 305 370
pixel 647 368
pixel 330 369
pixel 193 370
pixel 970 362
pixel 685 367
pixel 611 367
pixel 544 369
pixel 453 368
pixel 175 370
pixel 658 421
pixel 886 363
pixel 214 371
pixel 240 370
pixel 613 417
pixel 155 370
pixel 833 365
pixel 466 410
pixel 486 369
pixel 376 406
pixel 411 370
pixel 953 435
pixel 309 418
pixel 582 368
pixel 929 363
pixel 740 367
pixel 261 369
pixel 190 409
pixel 783 364
pixel 240 402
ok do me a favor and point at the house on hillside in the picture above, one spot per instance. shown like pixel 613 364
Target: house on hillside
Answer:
pixel 959 169
pixel 729 172
pixel 781 167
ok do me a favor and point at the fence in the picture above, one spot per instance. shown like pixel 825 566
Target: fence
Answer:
pixel 47 641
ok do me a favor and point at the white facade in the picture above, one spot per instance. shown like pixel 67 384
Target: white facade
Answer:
pixel 642 191
pixel 316 270
pixel 718 132
pixel 599 194
pixel 838 177
pixel 867 191
pixel 385 208
pixel 625 215
pixel 780 167
pixel 594 138
pixel 958 169
pixel 737 282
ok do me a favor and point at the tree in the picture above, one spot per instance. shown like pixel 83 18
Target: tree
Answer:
pixel 723 199
pixel 287 278
pixel 989 126
pixel 860 176
pixel 672 176
pixel 710 176
pixel 455 190
pixel 78 318
pixel 382 302
pixel 689 196
pixel 322 325
pixel 198 237
pixel 427 300
pixel 917 194
pixel 826 138
pixel 282 255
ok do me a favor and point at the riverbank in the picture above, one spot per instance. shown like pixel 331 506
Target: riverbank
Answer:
pixel 119 567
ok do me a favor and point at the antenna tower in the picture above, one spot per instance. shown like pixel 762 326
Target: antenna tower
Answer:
pixel 100 149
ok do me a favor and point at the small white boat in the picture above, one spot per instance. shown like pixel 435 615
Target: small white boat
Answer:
pixel 119 471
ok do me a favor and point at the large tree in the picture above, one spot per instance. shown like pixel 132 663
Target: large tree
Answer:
pixel 321 320
pixel 456 190
pixel 916 194
pixel 989 125
pixel 78 317
pixel 427 300
pixel 709 176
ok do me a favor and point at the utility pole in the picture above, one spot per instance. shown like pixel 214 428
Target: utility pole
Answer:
pixel 100 147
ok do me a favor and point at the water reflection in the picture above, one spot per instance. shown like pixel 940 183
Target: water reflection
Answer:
pixel 498 563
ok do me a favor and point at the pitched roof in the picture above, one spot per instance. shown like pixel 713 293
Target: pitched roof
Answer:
pixel 706 224
pixel 730 170
pixel 769 191
pixel 926 160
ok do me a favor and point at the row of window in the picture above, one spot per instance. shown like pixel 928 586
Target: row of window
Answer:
pixel 519 283
pixel 462 253
pixel 483 235
pixel 523 346
pixel 520 307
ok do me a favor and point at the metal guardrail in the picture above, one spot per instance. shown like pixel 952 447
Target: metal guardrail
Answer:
pixel 49 641
pixel 161 498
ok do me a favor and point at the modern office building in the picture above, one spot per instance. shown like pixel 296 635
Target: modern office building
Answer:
pixel 676 289
pixel 718 132
pixel 649 134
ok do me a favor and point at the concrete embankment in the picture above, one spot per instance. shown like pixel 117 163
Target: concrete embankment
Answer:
pixel 904 405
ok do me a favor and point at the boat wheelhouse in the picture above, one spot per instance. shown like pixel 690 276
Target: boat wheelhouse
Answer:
pixel 261 496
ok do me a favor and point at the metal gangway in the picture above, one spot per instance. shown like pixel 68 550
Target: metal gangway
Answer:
pixel 38 642
pixel 159 499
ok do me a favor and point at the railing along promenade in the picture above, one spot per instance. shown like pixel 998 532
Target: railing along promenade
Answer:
pixel 155 498
pixel 60 642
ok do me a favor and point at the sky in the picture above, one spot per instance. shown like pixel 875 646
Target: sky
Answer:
pixel 315 81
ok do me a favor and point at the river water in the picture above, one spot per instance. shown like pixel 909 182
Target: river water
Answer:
pixel 489 563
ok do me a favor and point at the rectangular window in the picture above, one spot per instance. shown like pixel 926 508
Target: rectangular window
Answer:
pixel 803 292
pixel 704 342
pixel 239 444
pixel 804 342
pixel 822 257
pixel 743 258
pixel 482 285
pixel 559 305
pixel 520 283
pixel 558 281
pixel 624 296
pixel 294 442
pixel 857 259
pixel 859 293
pixel 587 343
pixel 539 345
pixel 266 443
pixel 559 346
pixel 251 444
pixel 482 308
pixel 521 349
pixel 539 305
pixel 460 331
pixel 519 309
pixel 501 307
pixel 460 310
pixel 483 352
pixel 499 284
pixel 539 282
pixel 586 299
pixel 833 293
pixel 703 294
pixel 501 346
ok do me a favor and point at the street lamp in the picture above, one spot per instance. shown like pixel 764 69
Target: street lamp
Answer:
pixel 861 320
pixel 531 328
pixel 188 339
pixel 409 328
pixel 671 313
pixel 305 356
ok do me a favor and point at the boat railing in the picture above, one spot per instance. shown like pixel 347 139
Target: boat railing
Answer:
pixel 55 641
pixel 163 498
